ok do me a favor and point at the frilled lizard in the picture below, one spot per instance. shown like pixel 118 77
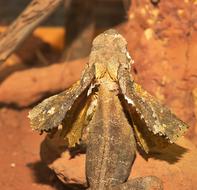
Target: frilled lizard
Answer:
pixel 112 114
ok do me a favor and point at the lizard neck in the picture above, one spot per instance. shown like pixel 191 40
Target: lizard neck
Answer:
pixel 108 85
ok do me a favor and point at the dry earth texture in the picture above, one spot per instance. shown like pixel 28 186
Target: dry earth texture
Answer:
pixel 162 40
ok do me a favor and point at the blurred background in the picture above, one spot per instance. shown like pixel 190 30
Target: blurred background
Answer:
pixel 162 40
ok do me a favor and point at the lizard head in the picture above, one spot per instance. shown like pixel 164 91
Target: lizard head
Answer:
pixel 109 50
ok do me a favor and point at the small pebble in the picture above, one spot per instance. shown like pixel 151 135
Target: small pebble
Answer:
pixel 13 165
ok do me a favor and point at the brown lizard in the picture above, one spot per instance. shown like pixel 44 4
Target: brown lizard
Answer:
pixel 112 114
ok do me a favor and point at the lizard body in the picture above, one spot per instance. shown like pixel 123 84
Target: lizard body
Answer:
pixel 111 143
pixel 111 113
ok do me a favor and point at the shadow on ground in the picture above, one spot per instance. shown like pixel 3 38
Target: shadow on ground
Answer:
pixel 44 175
pixel 172 154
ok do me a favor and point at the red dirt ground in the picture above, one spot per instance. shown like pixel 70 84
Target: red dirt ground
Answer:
pixel 162 40
pixel 21 167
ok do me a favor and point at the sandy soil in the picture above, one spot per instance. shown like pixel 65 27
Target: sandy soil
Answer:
pixel 21 167
pixel 162 40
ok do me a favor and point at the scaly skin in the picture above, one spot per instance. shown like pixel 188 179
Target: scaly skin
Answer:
pixel 111 145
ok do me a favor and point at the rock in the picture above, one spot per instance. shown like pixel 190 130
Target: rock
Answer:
pixel 54 153
pixel 175 166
